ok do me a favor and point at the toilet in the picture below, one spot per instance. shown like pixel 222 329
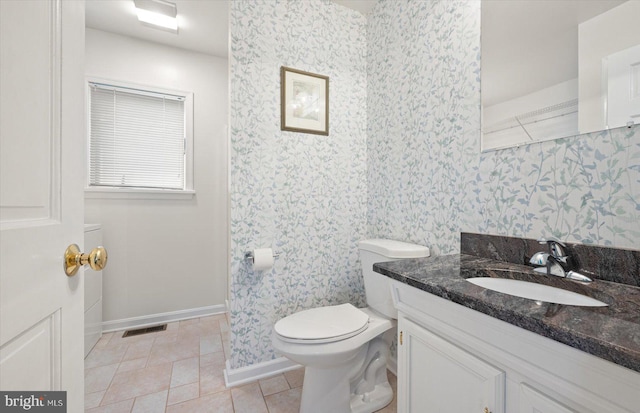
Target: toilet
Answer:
pixel 345 349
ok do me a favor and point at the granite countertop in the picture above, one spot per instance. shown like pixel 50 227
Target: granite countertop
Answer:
pixel 611 333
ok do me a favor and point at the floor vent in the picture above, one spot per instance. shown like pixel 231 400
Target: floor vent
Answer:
pixel 145 330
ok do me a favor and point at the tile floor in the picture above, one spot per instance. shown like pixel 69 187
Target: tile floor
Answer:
pixel 180 370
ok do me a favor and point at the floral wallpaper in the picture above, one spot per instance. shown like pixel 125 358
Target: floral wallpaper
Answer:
pixel 402 159
pixel 583 189
pixel 302 195
pixel 423 108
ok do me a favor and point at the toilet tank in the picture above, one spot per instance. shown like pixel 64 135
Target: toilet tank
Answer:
pixel 377 288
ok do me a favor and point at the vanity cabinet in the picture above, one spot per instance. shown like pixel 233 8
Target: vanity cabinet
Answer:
pixel 453 359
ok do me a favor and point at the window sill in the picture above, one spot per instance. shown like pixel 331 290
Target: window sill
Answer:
pixel 137 193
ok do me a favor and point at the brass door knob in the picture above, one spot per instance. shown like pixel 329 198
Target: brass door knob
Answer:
pixel 74 259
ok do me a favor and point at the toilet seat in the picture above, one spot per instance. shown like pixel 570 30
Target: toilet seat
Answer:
pixel 322 324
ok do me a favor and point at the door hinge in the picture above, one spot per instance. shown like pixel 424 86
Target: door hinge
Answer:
pixel 401 338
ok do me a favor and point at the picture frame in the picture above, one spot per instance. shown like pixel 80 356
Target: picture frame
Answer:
pixel 304 101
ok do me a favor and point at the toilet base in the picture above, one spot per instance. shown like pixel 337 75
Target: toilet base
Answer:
pixel 337 397
pixel 325 390
pixel 381 396
pixel 357 386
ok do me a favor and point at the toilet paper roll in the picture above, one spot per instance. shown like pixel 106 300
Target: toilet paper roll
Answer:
pixel 262 259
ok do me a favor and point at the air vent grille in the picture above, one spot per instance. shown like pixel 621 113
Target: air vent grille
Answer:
pixel 144 330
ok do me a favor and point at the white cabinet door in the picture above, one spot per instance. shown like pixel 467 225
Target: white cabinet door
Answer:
pixel 435 375
pixel 41 196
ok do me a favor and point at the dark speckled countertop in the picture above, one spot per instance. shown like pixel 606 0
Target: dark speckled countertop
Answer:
pixel 611 333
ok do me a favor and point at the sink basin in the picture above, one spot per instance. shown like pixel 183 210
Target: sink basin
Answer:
pixel 538 292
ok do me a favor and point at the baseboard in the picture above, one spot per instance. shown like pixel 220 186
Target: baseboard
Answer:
pixel 242 375
pixel 153 319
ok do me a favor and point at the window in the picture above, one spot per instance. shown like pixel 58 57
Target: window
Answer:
pixel 139 140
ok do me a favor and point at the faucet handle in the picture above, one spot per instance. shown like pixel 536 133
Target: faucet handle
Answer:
pixel 549 240
pixel 556 247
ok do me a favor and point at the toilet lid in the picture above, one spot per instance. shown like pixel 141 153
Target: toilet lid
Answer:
pixel 322 324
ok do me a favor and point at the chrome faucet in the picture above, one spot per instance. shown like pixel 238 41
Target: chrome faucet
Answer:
pixel 558 257
pixel 557 261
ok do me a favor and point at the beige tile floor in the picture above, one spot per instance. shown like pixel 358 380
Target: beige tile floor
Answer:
pixel 181 370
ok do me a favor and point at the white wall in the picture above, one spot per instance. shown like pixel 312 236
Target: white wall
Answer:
pixel 167 255
pixel 613 31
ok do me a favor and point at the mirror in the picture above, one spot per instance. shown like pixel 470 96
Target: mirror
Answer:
pixel 552 69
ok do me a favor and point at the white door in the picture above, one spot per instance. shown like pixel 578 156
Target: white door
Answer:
pixel 435 375
pixel 623 87
pixel 41 197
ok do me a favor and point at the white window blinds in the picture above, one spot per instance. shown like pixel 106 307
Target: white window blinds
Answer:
pixel 137 138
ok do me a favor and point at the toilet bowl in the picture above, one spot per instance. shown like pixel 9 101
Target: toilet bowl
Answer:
pixel 345 349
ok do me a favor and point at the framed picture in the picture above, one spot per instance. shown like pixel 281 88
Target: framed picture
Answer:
pixel 304 101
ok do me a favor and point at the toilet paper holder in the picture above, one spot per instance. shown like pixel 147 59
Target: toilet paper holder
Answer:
pixel 248 256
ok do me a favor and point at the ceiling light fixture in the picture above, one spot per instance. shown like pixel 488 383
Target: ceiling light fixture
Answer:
pixel 159 14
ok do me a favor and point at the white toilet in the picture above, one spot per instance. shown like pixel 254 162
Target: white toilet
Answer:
pixel 344 349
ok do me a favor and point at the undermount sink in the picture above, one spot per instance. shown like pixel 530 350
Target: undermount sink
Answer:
pixel 534 291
